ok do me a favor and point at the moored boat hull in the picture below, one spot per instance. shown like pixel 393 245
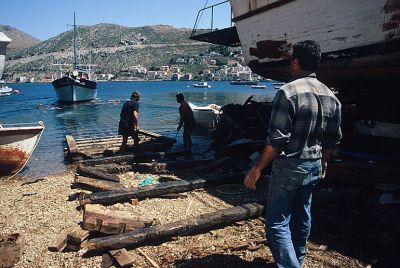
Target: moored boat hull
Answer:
pixel 70 90
pixel 16 147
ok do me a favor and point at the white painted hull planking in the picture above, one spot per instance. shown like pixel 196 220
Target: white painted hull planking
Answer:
pixel 17 143
pixel 353 35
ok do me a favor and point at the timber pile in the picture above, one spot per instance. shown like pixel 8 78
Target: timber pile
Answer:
pixel 79 149
pixel 111 230
pixel 247 122
pixel 242 132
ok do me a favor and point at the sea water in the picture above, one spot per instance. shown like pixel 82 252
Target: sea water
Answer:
pixel 158 113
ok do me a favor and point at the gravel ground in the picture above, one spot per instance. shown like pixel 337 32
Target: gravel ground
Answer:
pixel 41 210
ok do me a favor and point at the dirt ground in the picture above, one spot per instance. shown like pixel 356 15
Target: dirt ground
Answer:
pixel 350 229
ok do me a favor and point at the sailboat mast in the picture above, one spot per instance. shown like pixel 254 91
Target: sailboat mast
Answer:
pixel 74 43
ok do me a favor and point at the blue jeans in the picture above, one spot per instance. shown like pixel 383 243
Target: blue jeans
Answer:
pixel 289 208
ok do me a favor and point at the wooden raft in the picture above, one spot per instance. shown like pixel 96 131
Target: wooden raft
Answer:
pixel 89 148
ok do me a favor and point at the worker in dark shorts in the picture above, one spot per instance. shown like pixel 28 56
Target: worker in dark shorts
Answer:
pixel 129 121
pixel 187 121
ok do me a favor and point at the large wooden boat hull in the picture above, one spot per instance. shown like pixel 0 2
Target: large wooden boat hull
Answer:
pixel 70 90
pixel 17 144
pixel 359 39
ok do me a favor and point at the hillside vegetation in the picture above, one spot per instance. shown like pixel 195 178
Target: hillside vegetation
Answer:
pixel 113 48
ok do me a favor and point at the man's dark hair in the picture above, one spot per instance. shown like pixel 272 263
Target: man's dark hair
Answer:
pixel 308 53
pixel 180 96
pixel 135 95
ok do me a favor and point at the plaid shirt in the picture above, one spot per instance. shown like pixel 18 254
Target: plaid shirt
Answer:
pixel 305 117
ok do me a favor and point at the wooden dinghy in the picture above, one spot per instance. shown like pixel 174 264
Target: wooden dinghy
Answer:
pixel 17 143
pixel 90 148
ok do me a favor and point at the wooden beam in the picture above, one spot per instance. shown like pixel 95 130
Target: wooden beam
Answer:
pixel 92 172
pixel 98 218
pixel 149 191
pixel 99 185
pixel 61 240
pixel 72 148
pixel 122 257
pixel 77 235
pixel 107 261
pixel 183 227
pixel 131 158
pixel 170 165
pixel 157 136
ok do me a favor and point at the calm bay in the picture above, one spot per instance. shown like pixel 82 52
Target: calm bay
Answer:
pixel 158 113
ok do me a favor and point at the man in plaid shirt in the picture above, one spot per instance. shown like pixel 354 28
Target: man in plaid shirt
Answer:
pixel 302 134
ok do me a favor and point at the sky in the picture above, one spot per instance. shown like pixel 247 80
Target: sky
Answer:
pixel 44 19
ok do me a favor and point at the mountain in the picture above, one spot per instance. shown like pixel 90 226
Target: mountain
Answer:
pixel 113 48
pixel 20 40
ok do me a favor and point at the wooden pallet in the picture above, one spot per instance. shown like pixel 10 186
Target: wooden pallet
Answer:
pixel 89 148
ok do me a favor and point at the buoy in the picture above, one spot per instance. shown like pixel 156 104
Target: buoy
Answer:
pixel 16 91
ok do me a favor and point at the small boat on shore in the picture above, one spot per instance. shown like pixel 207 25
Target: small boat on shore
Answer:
pixel 4 89
pixel 17 143
pixel 76 85
pixel 202 84
pixel 206 116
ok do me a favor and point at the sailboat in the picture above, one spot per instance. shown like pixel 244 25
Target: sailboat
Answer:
pixel 76 85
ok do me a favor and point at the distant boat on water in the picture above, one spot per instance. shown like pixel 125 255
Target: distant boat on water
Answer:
pixel 75 85
pixel 202 84
pixel 259 86
pixel 4 89
pixel 277 85
pixel 244 82
pixel 17 143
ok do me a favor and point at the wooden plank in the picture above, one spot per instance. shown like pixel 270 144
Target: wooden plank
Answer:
pixel 77 235
pixel 170 165
pixel 155 265
pixel 92 172
pixel 107 261
pixel 149 191
pixel 122 257
pixel 183 227
pixel 157 136
pixel 152 147
pixel 98 218
pixel 11 249
pixel 98 185
pixel 111 143
pixel 130 158
pixel 72 148
pixel 61 240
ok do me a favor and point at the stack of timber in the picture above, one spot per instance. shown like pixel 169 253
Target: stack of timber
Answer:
pixel 242 122
pixel 109 231
pixel 370 157
pixel 89 148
